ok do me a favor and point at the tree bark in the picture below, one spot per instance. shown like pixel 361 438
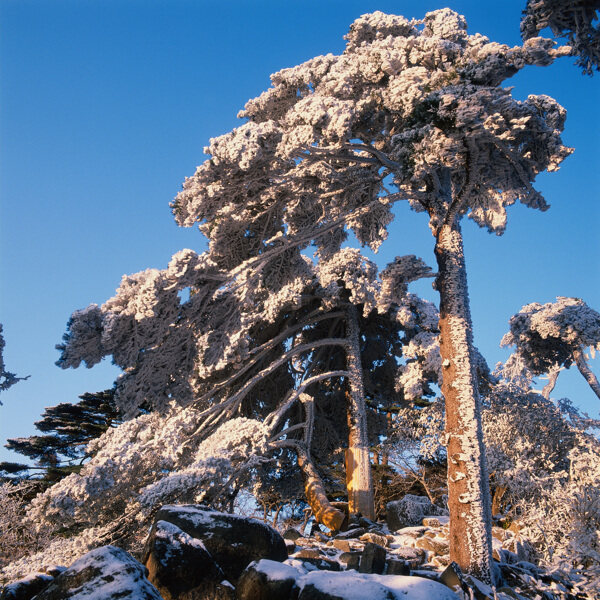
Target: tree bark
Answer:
pixel 359 482
pixel 552 377
pixel 468 482
pixel 585 370
pixel 316 496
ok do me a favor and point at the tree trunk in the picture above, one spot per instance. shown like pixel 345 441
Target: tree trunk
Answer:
pixel 585 370
pixel 468 488
pixel 359 482
pixel 316 496
pixel 552 377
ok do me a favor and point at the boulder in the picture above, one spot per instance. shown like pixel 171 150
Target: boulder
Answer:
pixel 26 588
pixel 355 532
pixel 268 580
pixel 108 573
pixel 372 559
pixel 375 538
pixel 397 567
pixel 179 564
pixel 233 541
pixel 413 556
pixel 351 586
pixel 409 511
pixel 351 559
pixel 291 534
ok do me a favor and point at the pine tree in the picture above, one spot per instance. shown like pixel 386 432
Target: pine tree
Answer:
pixel 68 428
pixel 413 105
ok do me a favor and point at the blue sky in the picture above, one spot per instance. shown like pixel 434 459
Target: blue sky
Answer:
pixel 105 107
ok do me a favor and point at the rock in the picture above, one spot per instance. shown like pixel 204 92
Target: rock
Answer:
pixel 397 567
pixel 233 541
pixel 372 559
pixel 108 573
pixel 26 588
pixel 375 538
pixel 291 534
pixel 439 521
pixel 409 511
pixel 267 580
pixel 452 577
pixel 309 553
pixel 352 586
pixel 352 559
pixel 356 532
pixel 322 563
pixel 290 547
pixel 343 545
pixel 179 564
pixel 436 545
pixel 413 556
pixel 366 523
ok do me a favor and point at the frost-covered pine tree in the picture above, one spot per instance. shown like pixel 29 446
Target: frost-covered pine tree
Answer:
pixel 412 110
pixel 552 336
pixel 575 20
pixel 286 345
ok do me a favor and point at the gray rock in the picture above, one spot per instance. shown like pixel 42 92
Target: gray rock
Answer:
pixel 108 573
pixel 413 556
pixel 397 567
pixel 372 559
pixel 291 534
pixel 267 580
pixel 409 511
pixel 233 541
pixel 179 564
pixel 352 559
pixel 355 532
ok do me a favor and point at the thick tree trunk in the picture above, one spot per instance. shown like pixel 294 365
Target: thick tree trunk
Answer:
pixel 585 370
pixel 359 482
pixel 468 488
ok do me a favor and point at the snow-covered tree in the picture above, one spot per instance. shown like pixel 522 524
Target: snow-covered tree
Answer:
pixel 575 20
pixel 411 105
pixel 7 379
pixel 288 348
pixel 552 336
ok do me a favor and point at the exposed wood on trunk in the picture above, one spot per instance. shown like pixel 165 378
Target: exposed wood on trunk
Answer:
pixel 316 496
pixel 359 482
pixel 468 489
pixel 585 370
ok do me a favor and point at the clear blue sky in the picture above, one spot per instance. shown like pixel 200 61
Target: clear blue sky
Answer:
pixel 105 107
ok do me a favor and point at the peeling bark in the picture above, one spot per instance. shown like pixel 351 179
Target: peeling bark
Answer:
pixel 316 496
pixel 359 482
pixel 468 489
pixel 585 370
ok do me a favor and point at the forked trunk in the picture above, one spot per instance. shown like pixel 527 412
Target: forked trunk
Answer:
pixel 468 487
pixel 587 373
pixel 358 467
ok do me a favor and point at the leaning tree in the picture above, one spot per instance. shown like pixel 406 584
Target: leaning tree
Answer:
pixel 286 345
pixel 412 110
pixel 552 336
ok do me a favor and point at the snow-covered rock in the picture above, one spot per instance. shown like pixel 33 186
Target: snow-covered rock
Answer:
pixel 321 585
pixel 106 573
pixel 233 541
pixel 409 511
pixel 179 564
pixel 26 588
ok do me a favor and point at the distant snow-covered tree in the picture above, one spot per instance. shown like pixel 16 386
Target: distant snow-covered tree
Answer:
pixel 7 379
pixel 575 20
pixel 555 335
pixel 411 105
